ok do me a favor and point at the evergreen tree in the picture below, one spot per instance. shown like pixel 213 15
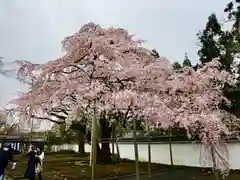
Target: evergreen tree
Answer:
pixel 176 65
pixel 209 47
pixel 216 43
pixel 186 61
pixel 233 11
pixel 223 44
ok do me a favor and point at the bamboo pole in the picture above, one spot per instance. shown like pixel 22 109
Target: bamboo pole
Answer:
pixel 170 145
pixel 149 153
pixel 93 154
pixel 136 149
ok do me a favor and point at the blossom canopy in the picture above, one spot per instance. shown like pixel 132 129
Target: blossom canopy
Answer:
pixel 109 67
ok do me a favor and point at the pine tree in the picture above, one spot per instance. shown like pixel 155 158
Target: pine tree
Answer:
pixel 216 43
pixel 209 48
pixel 176 65
pixel 186 61
pixel 233 11
pixel 223 44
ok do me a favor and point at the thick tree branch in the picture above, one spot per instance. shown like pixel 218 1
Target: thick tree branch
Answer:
pixel 57 115
pixel 59 110
pixel 48 119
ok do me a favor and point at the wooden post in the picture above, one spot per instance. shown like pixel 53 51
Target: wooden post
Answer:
pixel 31 131
pixel 113 139
pixel 31 119
pixel 170 145
pixel 214 163
pixel 136 149
pixel 149 153
pixel 93 154
pixel 117 148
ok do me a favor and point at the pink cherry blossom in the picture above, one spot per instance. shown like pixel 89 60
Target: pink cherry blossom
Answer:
pixel 109 68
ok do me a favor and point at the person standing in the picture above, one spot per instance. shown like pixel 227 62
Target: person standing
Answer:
pixel 6 154
pixel 39 162
pixel 30 171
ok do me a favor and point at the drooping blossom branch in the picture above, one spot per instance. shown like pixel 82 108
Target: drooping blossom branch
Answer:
pixel 109 67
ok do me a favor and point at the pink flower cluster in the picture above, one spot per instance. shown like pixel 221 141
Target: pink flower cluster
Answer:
pixel 108 67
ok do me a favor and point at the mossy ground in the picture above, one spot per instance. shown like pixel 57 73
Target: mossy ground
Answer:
pixel 72 166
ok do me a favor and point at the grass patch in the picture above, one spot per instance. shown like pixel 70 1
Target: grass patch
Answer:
pixel 73 166
pixel 67 166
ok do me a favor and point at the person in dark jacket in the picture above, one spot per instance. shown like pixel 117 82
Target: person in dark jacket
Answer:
pixel 30 171
pixel 6 154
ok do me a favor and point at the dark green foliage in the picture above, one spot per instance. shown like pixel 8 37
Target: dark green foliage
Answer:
pixel 208 39
pixel 232 41
pixel 216 42
pixel 78 126
pixel 65 136
pixel 52 139
pixel 176 65
pixel 69 137
pixel 233 10
pixel 186 61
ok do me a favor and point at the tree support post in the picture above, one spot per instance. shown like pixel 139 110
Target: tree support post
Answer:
pixel 136 148
pixel 31 119
pixel 216 174
pixel 93 154
pixel 113 141
pixel 149 154
pixel 170 145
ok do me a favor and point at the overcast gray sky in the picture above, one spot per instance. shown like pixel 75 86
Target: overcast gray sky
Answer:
pixel 32 30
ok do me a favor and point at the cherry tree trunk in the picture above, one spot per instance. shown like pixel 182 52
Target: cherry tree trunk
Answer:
pixel 118 151
pixel 81 143
pixel 88 137
pixel 149 153
pixel 136 149
pixel 99 152
pixel 106 131
pixel 113 140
